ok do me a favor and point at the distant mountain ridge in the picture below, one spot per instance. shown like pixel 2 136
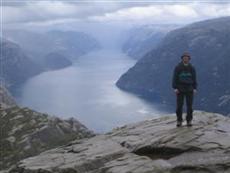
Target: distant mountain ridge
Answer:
pixel 208 43
pixel 143 39
pixel 56 61
pixel 26 53
pixel 70 44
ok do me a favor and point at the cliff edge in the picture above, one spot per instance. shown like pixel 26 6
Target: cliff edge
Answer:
pixel 154 145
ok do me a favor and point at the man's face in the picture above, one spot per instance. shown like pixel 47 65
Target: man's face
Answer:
pixel 185 59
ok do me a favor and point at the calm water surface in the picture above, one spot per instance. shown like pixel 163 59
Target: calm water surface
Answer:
pixel 87 91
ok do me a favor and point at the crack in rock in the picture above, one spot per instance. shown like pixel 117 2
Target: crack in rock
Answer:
pixel 162 152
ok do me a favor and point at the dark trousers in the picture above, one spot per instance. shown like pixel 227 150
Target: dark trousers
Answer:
pixel 180 102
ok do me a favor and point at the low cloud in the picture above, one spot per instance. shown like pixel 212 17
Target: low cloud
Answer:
pixel 48 13
pixel 33 11
pixel 178 13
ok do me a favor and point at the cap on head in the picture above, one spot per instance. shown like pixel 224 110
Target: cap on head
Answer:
pixel 186 54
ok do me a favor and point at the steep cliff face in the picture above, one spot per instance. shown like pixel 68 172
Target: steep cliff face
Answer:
pixel 25 133
pixel 154 145
pixel 6 100
pixel 16 66
pixel 208 43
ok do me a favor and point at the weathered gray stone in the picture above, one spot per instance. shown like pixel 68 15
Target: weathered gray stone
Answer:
pixel 150 146
pixel 6 99
pixel 26 133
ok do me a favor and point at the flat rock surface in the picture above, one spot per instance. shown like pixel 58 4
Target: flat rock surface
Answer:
pixel 150 146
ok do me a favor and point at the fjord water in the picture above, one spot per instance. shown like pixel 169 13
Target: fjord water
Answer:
pixel 87 91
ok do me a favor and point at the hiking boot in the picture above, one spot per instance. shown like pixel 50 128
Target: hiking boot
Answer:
pixel 189 123
pixel 179 123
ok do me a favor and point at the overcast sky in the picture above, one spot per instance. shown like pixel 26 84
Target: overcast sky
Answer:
pixel 105 19
pixel 47 13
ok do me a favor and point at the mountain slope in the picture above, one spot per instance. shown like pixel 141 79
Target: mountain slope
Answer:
pixel 144 38
pixel 16 66
pixel 26 54
pixel 71 44
pixel 55 61
pixel 208 43
pixel 25 133
pixel 150 146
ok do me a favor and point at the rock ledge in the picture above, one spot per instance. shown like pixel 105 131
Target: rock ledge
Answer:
pixel 150 146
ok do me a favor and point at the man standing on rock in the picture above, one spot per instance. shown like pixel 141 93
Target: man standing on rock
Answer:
pixel 185 85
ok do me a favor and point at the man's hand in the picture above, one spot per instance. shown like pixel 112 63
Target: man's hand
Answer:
pixel 194 91
pixel 176 91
